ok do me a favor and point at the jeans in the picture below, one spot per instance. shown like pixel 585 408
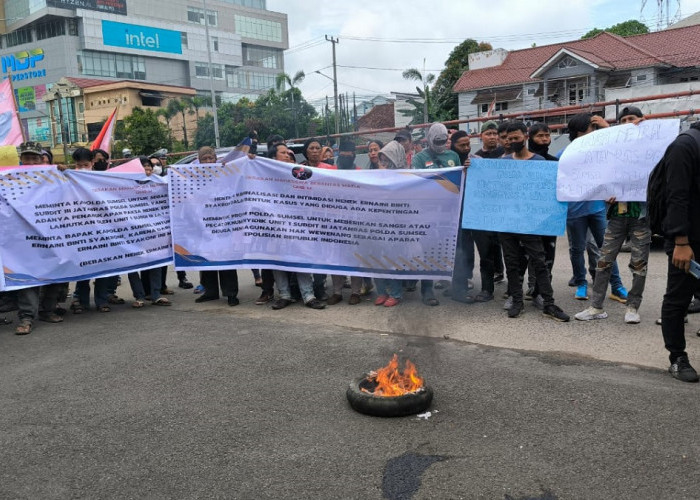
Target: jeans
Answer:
pixel 486 241
pixel 619 229
pixel 426 289
pixel 268 282
pixel 228 280
pixel 680 287
pixel 390 287
pixel 35 300
pixel 464 262
pixel 513 246
pixel 339 282
pixel 138 289
pixel 306 285
pixel 577 230
pixel 319 281
pixel 82 289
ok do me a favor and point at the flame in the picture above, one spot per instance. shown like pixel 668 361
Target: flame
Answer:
pixel 390 382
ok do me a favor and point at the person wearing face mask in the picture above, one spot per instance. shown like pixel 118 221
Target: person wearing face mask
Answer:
pixel 101 162
pixel 436 155
pixel 327 155
pixel 515 244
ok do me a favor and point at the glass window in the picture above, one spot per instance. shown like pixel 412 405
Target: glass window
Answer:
pixel 73 27
pixel 51 29
pixel 183 38
pixel 201 70
pixel 249 80
pixel 567 62
pixel 215 44
pixel 253 4
pixel 18 37
pixel 195 15
pixel 112 65
pixel 262 57
pixel 260 29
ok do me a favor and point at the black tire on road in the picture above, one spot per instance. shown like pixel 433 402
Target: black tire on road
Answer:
pixel 397 406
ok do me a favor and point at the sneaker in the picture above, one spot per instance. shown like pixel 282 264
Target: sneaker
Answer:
pixel 380 300
pixel 694 306
pixel 508 303
pixel 555 312
pixel 581 292
pixel 198 289
pixel 619 294
pixel 391 302
pixel 591 313
pixel 185 284
pixel 498 278
pixel 281 303
pixel 263 299
pixel 354 299
pixel 572 282
pixel 233 301
pixel 335 299
pixel 685 320
pixel 632 316
pixel 516 310
pixel 529 294
pixel 315 304
pixel 682 370
pixel 538 302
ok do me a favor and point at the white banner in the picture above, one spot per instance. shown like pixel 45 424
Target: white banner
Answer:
pixel 267 214
pixel 69 226
pixel 614 161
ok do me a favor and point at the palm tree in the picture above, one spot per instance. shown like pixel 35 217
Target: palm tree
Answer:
pixel 196 102
pixel 168 114
pixel 176 106
pixel 414 74
pixel 284 78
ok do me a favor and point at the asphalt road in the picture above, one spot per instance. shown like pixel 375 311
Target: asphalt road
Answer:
pixel 195 402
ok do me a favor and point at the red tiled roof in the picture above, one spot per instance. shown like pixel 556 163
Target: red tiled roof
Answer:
pixel 673 47
pixel 85 83
pixel 380 116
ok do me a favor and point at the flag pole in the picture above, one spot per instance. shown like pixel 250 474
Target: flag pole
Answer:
pixel 14 101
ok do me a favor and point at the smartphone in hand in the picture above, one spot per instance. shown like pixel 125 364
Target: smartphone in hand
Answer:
pixel 694 269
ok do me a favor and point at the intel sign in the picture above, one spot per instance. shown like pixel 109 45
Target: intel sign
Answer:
pixel 132 36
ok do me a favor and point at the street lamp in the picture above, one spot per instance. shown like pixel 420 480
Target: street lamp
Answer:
pixel 335 97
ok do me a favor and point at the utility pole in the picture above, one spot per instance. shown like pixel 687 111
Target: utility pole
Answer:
pixel 211 77
pixel 334 41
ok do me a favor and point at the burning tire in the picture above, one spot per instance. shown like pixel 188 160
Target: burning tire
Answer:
pixel 387 406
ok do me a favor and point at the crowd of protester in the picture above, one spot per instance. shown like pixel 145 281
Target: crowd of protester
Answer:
pixel 599 230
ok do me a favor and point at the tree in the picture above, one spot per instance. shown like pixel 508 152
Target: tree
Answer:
pixel 196 102
pixel 145 133
pixel 444 99
pixel 180 106
pixel 627 28
pixel 284 78
pixel 167 113
pixel 414 74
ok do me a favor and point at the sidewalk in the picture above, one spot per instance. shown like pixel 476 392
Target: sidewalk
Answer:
pixel 485 324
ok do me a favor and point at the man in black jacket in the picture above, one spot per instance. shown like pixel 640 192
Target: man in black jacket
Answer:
pixel 682 232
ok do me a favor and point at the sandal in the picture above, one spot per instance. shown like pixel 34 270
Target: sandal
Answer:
pixel 77 309
pixel 431 301
pixel 162 302
pixel 167 291
pixel 104 308
pixel 138 304
pixel 24 328
pixel 50 317
pixel 114 299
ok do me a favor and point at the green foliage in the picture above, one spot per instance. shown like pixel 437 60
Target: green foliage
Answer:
pixel 444 99
pixel 627 28
pixel 271 113
pixel 145 133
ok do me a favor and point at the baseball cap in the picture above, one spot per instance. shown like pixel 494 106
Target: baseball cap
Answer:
pixel 489 125
pixel 31 148
pixel 403 134
pixel 630 110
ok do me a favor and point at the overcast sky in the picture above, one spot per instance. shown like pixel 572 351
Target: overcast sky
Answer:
pixel 508 24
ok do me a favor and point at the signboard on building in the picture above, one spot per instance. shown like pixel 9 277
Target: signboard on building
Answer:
pixel 133 36
pixel 111 6
pixel 22 65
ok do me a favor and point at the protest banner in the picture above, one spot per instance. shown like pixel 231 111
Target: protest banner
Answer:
pixel 262 213
pixel 75 225
pixel 614 161
pixel 512 196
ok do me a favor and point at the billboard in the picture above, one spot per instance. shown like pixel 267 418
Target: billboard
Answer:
pixel 134 36
pixel 111 6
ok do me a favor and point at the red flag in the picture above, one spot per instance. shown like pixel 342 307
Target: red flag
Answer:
pixel 104 138
pixel 492 107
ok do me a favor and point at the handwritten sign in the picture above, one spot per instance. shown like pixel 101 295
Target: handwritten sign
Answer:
pixel 513 196
pixel 614 161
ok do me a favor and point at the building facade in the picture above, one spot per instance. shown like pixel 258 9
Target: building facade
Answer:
pixel 156 42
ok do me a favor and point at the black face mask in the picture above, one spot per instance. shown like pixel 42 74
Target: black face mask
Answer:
pixel 540 149
pixel 517 147
pixel 100 166
pixel 346 162
pixel 329 161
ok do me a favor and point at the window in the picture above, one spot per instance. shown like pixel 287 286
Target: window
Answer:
pixel 500 106
pixel 262 57
pixel 51 29
pixel 112 65
pixel 183 38
pixel 250 80
pixel 641 78
pixel 253 4
pixel 73 27
pixel 531 91
pixel 567 62
pixel 201 70
pixel 18 37
pixel 260 29
pixel 215 44
pixel 195 15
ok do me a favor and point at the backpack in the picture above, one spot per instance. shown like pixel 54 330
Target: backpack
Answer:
pixel 656 189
